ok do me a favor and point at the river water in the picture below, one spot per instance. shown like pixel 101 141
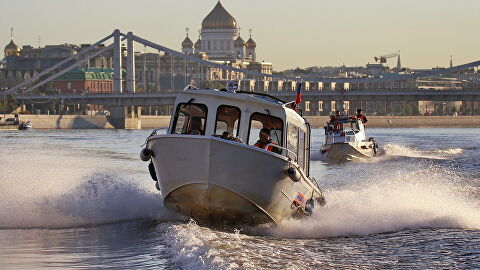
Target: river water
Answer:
pixel 82 199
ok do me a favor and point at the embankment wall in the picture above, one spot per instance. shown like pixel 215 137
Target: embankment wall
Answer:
pixel 152 122
pixel 409 121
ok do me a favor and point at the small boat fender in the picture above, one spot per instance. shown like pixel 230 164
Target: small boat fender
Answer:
pixel 293 174
pixel 145 154
pixel 151 169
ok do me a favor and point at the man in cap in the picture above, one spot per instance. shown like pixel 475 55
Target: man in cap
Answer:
pixel 265 142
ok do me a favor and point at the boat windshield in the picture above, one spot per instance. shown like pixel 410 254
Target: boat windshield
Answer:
pixel 342 126
pixel 190 118
pixel 260 121
pixel 228 119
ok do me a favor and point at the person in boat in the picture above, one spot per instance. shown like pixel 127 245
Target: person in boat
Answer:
pixel 360 116
pixel 330 123
pixel 196 126
pixel 265 141
pixel 338 115
pixel 334 124
pixel 227 136
pixel 333 119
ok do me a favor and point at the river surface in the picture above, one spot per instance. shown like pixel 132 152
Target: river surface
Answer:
pixel 82 199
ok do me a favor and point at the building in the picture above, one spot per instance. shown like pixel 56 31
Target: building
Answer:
pixel 22 63
pixel 219 41
pixel 85 80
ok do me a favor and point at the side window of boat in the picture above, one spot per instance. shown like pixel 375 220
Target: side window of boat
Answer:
pixel 272 123
pixel 301 148
pixel 190 119
pixel 292 141
pixel 228 119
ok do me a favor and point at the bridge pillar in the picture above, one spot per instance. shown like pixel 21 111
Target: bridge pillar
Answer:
pixel 132 120
pixel 125 117
pixel 117 62
pixel 117 117
pixel 130 64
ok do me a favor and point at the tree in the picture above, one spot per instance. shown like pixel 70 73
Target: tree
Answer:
pixel 8 104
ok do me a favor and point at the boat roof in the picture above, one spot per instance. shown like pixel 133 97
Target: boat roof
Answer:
pixel 259 100
pixel 238 95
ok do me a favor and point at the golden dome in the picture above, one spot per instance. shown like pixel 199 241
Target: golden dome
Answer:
pixel 239 42
pixel 187 43
pixel 219 18
pixel 12 49
pixel 250 44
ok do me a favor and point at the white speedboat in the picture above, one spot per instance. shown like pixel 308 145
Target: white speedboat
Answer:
pixel 345 140
pixel 207 166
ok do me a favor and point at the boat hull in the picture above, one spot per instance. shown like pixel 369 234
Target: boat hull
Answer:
pixel 220 181
pixel 215 204
pixel 346 151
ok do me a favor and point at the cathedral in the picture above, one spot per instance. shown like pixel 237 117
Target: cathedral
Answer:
pixel 220 41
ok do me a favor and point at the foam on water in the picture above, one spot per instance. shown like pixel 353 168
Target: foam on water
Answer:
pixel 194 247
pixel 393 150
pixel 99 198
pixel 429 198
pixel 190 246
pixel 52 189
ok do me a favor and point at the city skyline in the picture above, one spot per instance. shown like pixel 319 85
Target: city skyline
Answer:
pixel 289 34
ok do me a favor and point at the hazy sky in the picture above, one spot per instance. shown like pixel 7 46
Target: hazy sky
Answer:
pixel 290 33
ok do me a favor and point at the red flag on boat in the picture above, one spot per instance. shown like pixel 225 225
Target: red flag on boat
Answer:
pixel 299 91
pixel 298 100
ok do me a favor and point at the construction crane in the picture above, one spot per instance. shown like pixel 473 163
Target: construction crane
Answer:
pixel 383 58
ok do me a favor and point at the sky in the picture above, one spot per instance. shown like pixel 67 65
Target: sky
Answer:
pixel 288 33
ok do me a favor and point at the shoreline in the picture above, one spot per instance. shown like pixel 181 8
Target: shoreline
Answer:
pixel 409 121
pixel 152 122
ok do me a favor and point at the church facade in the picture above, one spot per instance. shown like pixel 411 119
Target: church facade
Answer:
pixel 219 41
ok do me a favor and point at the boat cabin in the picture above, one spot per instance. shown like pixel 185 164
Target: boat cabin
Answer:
pixel 344 130
pixel 239 117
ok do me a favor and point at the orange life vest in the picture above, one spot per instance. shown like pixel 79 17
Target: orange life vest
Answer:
pixel 267 146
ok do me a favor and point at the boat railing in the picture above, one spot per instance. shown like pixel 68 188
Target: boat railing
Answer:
pixel 287 150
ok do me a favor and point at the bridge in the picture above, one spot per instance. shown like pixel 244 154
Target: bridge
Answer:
pixel 198 70
pixel 153 99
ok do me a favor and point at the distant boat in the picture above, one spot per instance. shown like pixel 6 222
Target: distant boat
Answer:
pixel 25 125
pixel 209 168
pixel 345 140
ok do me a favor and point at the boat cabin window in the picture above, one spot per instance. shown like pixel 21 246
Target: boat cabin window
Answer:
pixel 190 118
pixel 301 148
pixel 297 144
pixel 228 119
pixel 292 141
pixel 259 121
